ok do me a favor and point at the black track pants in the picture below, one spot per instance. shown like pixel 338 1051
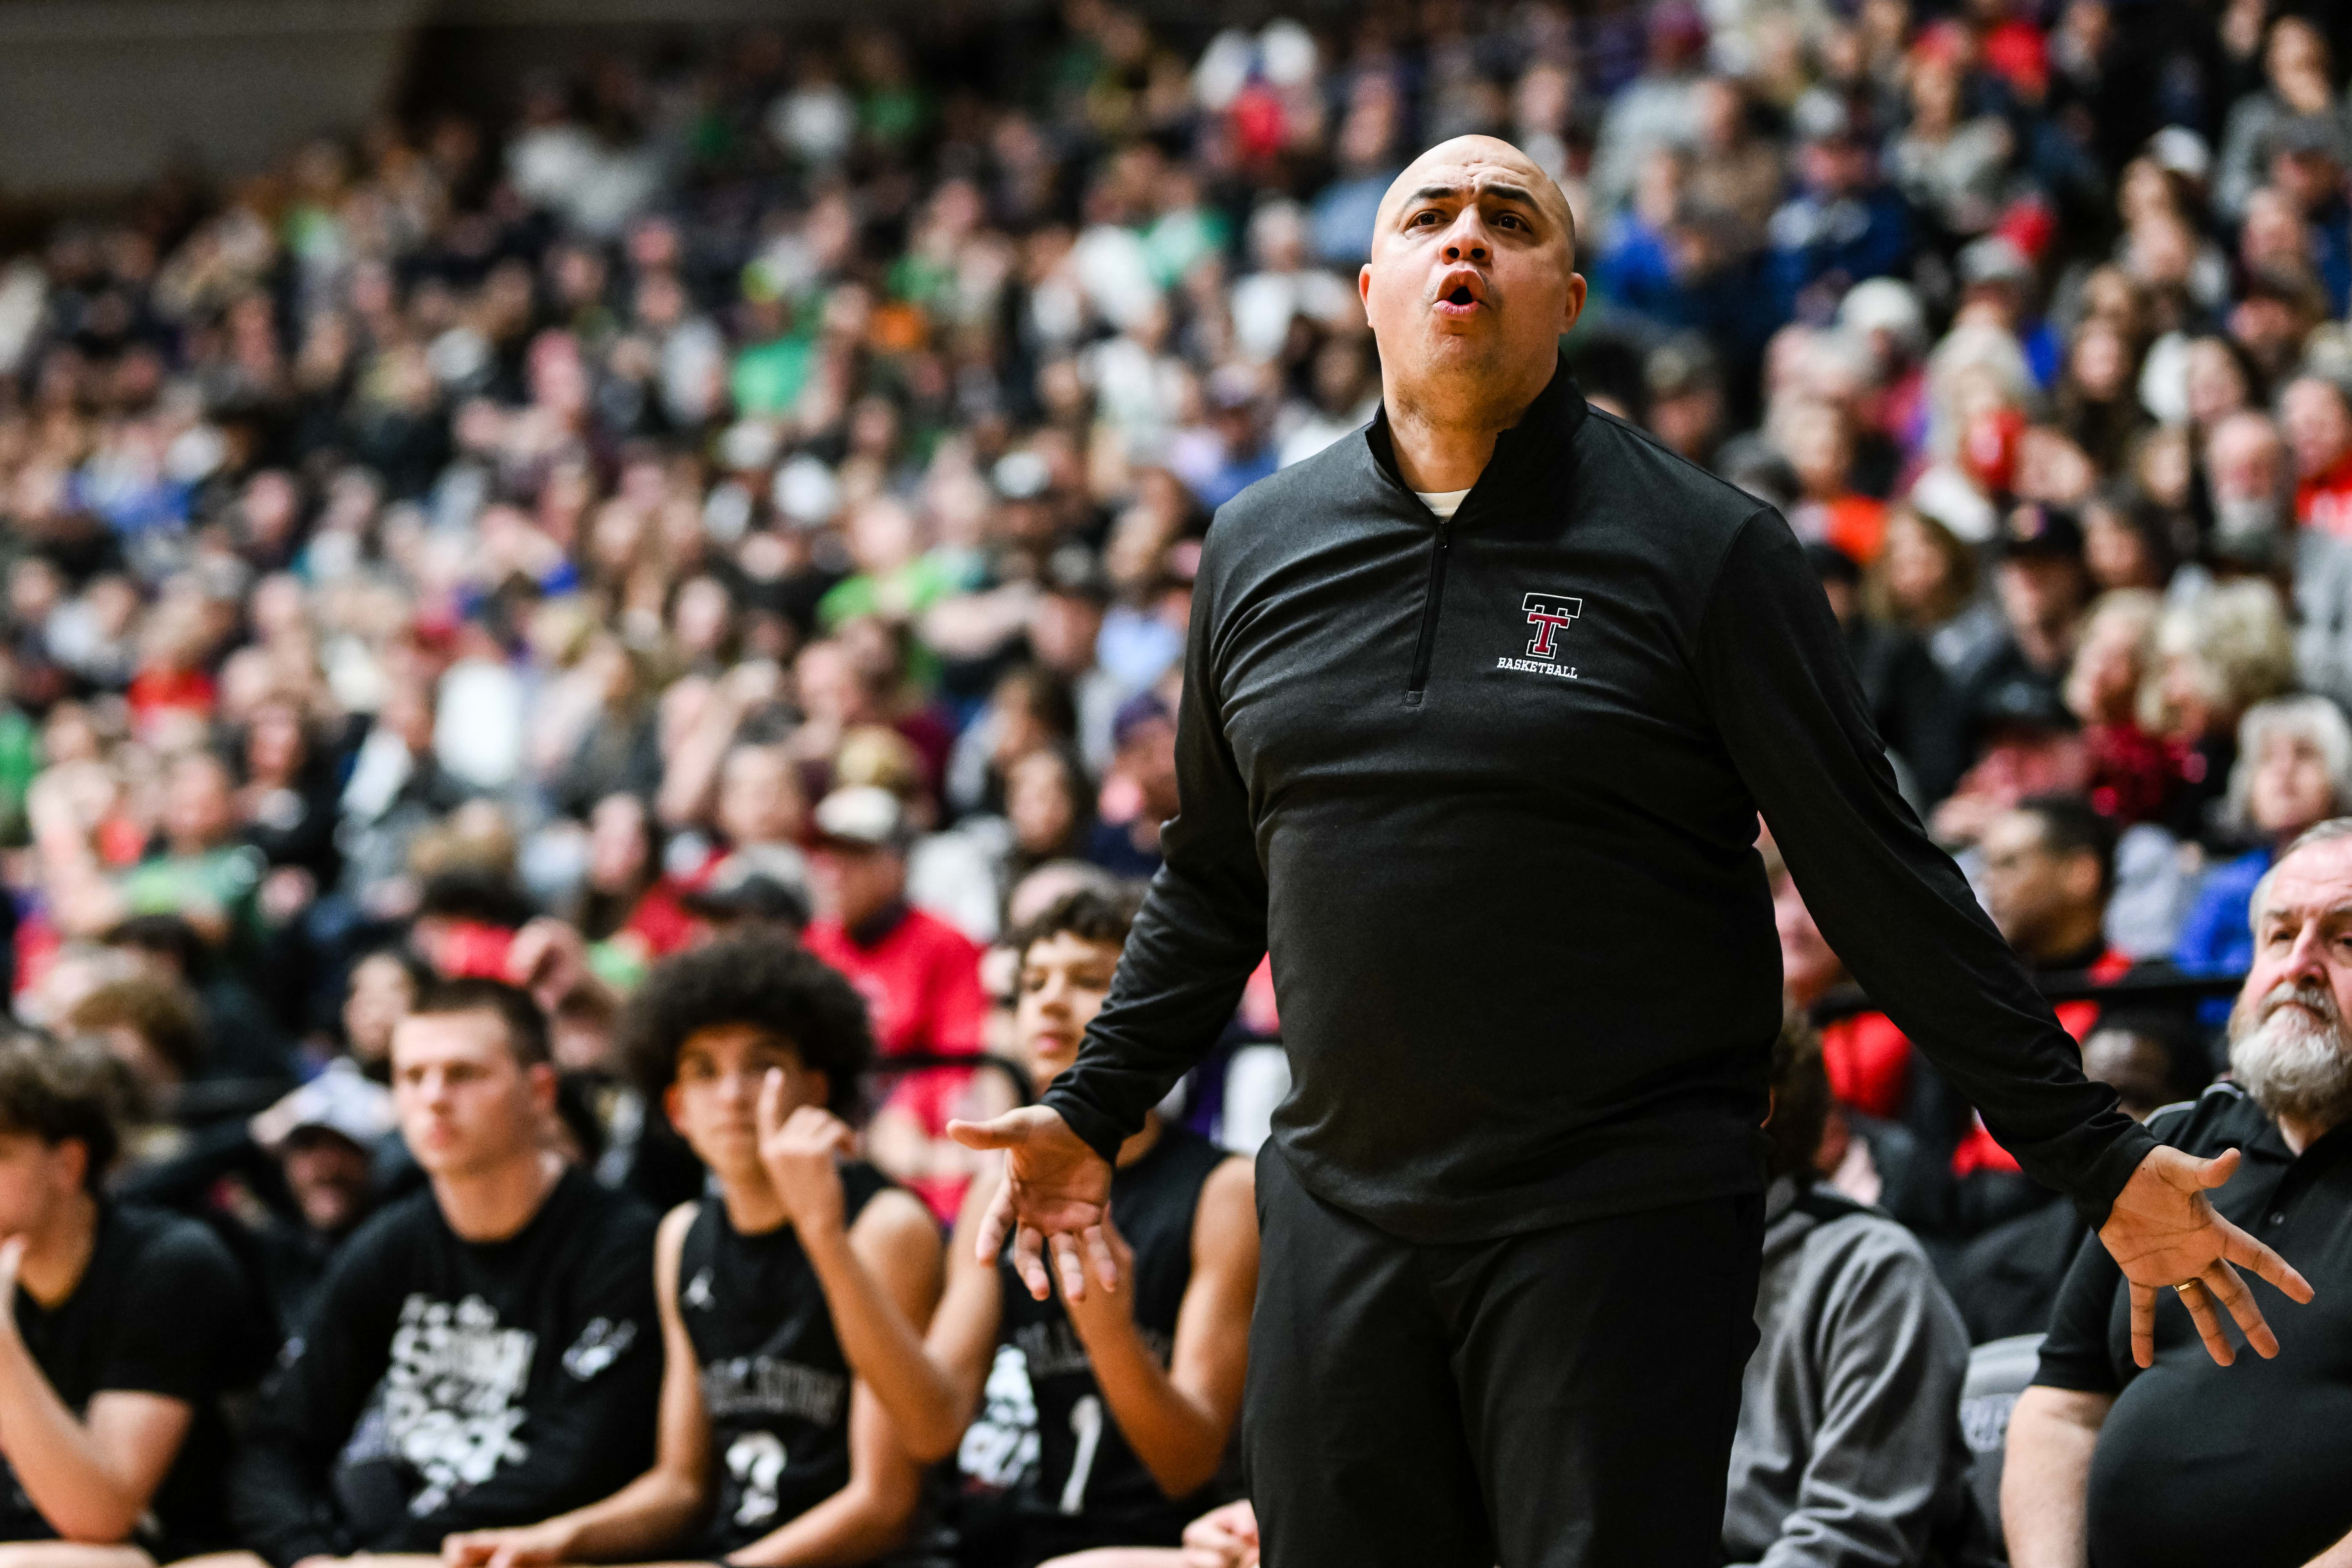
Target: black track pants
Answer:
pixel 1560 1399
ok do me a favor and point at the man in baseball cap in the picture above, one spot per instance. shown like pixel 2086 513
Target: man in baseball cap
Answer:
pixel 753 887
pixel 323 1137
pixel 919 975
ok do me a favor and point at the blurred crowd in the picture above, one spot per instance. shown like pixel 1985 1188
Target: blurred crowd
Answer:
pixel 762 489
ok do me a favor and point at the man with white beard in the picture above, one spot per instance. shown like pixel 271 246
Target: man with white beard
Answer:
pixel 2189 1461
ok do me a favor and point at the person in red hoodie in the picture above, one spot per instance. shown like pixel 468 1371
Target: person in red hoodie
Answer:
pixel 2318 415
pixel 919 976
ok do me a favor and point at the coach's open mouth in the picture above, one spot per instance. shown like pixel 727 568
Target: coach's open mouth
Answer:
pixel 1460 292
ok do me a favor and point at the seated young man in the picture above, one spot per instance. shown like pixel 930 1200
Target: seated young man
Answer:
pixel 483 1351
pixel 1133 1391
pixel 1848 1448
pixel 125 1327
pixel 775 1446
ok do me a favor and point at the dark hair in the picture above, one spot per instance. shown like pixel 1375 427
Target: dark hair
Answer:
pixel 1046 694
pixel 1075 784
pixel 575 1107
pixel 2187 1068
pixel 419 973
pixel 2162 532
pixel 170 935
pixel 526 1024
pixel 1086 913
pixel 2250 369
pixel 161 1014
pixel 61 1090
pixel 754 978
pixel 2070 825
pixel 1800 1099
pixel 475 893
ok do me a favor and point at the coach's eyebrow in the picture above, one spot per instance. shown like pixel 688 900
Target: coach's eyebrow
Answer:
pixel 1502 188
pixel 1429 194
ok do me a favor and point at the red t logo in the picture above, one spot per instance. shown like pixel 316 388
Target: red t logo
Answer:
pixel 1549 615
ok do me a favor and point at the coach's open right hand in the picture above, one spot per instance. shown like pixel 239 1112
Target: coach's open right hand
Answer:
pixel 1057 1191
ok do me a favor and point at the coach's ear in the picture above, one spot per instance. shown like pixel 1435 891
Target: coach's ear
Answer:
pixel 1575 301
pixel 1771 1103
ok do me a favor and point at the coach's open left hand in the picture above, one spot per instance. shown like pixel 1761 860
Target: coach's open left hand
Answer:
pixel 1480 709
pixel 2164 1233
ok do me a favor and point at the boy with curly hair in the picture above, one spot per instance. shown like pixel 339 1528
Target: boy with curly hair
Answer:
pixel 786 1298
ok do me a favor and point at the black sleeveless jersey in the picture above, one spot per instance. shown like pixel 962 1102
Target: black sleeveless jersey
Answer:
pixel 774 1382
pixel 1088 1488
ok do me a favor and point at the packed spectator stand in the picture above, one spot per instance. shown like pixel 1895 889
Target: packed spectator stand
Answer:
pixel 757 490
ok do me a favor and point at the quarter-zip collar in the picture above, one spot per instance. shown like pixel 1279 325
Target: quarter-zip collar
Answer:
pixel 1526 455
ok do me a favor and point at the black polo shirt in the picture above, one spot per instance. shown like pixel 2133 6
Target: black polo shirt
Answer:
pixel 2200 1464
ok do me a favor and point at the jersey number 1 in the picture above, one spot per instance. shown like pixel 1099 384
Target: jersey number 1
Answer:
pixel 1085 1426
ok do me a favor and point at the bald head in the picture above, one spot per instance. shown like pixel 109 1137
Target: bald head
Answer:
pixel 1486 167
pixel 1471 283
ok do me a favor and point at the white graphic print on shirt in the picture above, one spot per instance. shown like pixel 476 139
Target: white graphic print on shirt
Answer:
pixel 453 1395
pixel 698 1294
pixel 600 1345
pixel 1000 1448
pixel 757 1386
pixel 757 1460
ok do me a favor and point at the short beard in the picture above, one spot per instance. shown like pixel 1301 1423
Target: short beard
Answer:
pixel 2295 1063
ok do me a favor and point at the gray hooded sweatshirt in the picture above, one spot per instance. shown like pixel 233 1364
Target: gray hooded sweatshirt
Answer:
pixel 1849 1447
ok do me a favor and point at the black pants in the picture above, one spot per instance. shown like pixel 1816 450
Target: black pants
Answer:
pixel 1562 1399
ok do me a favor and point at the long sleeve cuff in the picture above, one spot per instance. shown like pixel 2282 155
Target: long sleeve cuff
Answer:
pixel 1100 1131
pixel 2110 1170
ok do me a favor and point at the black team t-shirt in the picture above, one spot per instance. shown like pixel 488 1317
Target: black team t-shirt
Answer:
pixel 162 1309
pixel 774 1382
pixel 2200 1464
pixel 448 1386
pixel 1086 1487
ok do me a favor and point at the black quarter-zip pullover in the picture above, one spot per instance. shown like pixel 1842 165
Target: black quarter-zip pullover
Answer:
pixel 1488 790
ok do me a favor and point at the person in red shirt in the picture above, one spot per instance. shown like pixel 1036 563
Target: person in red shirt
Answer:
pixel 919 976
pixel 2048 872
pixel 2318 415
pixel 172 685
pixel 2135 776
pixel 2049 867
pixel 1831 511
pixel 627 898
pixel 1867 1059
